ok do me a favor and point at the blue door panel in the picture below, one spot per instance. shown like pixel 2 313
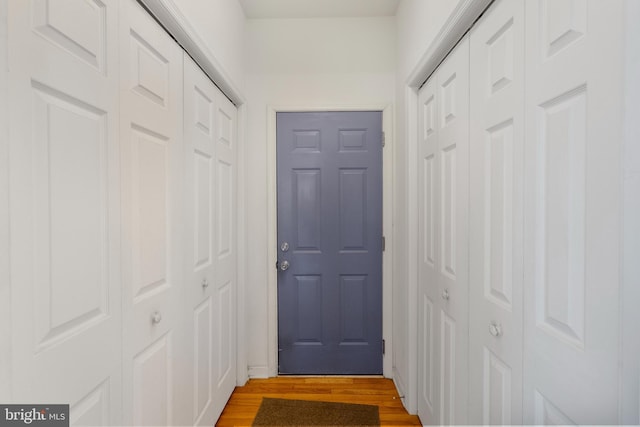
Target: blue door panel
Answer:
pixel 330 215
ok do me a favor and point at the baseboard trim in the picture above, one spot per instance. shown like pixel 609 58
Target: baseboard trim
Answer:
pixel 259 372
pixel 402 389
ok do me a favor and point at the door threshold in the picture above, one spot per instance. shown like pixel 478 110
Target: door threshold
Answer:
pixel 328 376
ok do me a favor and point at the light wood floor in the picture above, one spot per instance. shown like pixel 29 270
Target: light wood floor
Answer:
pixel 245 401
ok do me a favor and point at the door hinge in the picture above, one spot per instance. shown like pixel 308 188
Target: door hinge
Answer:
pixel 383 347
pixel 383 139
pixel 384 244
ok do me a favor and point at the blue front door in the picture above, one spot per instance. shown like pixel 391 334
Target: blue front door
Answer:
pixel 329 242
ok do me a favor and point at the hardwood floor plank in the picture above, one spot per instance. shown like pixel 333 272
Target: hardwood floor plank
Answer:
pixel 245 401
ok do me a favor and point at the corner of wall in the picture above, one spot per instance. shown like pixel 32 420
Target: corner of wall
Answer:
pixel 259 372
pixel 402 389
pixel 242 369
pixel 411 122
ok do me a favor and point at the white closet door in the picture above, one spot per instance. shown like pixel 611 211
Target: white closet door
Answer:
pixel 496 197
pixel 64 206
pixel 443 276
pixel 429 244
pixel 199 144
pixel 572 211
pixel 210 251
pixel 453 233
pixel 152 193
pixel 225 250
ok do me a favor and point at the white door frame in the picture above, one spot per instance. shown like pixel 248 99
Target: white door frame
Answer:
pixel 387 225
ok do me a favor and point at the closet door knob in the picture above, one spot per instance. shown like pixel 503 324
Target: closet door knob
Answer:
pixel 495 329
pixel 445 295
pixel 205 283
pixel 156 318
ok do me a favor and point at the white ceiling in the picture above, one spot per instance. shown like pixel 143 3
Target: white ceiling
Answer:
pixel 269 9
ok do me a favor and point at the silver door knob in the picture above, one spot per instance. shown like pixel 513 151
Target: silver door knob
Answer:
pixel 495 329
pixel 284 265
pixel 205 283
pixel 284 247
pixel 156 318
pixel 445 295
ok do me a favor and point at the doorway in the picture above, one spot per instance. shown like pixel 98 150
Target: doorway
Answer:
pixel 329 243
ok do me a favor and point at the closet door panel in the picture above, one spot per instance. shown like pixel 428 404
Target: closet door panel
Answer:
pixel 225 249
pixel 452 233
pixel 443 275
pixel 64 207
pixel 200 243
pixel 428 297
pixel 572 216
pixel 496 197
pixel 210 150
pixel 151 137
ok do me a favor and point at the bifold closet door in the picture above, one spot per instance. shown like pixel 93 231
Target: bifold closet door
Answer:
pixel 64 207
pixel 209 137
pixel 225 250
pixel 429 220
pixel 199 144
pixel 572 211
pixel 443 272
pixel 155 372
pixel 496 198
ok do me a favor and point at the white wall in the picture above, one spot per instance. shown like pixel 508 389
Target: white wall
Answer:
pixel 301 63
pixel 5 289
pixel 630 363
pixel 418 22
pixel 221 25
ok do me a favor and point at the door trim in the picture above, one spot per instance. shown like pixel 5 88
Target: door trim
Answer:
pixel 460 20
pixel 175 23
pixel 387 228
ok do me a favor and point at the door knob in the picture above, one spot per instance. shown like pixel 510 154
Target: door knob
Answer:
pixel 495 329
pixel 205 283
pixel 445 295
pixel 156 317
pixel 284 265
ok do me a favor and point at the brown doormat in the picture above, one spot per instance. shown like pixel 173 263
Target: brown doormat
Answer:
pixel 286 412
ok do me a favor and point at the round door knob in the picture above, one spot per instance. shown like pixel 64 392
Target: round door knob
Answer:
pixel 495 329
pixel 445 295
pixel 284 265
pixel 205 283
pixel 156 318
